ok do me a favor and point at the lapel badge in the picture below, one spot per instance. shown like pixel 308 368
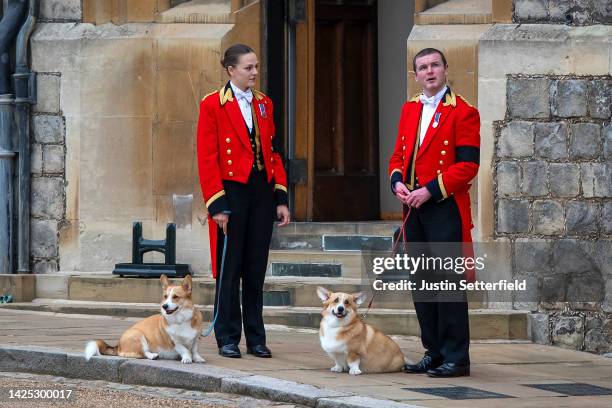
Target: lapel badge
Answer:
pixel 262 110
pixel 436 119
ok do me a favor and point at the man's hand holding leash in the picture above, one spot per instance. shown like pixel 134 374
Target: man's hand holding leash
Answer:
pixel 415 198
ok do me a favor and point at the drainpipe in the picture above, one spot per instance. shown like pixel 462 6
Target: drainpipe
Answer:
pixel 25 96
pixel 12 17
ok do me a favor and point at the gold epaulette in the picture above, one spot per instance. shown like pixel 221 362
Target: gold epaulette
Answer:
pixel 207 95
pixel 258 94
pixel 415 98
pixel 465 100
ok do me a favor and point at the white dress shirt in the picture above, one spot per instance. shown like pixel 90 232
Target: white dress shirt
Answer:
pixel 430 104
pixel 244 101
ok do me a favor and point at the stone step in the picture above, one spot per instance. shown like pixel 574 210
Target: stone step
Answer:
pixel 313 263
pixel 278 291
pixel 484 324
pixel 457 12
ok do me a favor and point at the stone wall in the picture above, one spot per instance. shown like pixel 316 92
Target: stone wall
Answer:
pixel 553 167
pixel 61 11
pixel 573 12
pixel 48 152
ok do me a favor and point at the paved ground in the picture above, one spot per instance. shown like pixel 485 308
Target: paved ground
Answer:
pixel 506 368
pixel 77 393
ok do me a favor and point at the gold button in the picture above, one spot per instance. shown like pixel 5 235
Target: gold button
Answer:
pixel 229 162
pixel 446 143
pixel 438 171
pixel 441 162
pixel 402 157
pixel 443 152
pixel 272 171
pixel 229 151
pixel 272 159
pixel 231 173
pixel 403 138
pixel 403 147
pixel 227 140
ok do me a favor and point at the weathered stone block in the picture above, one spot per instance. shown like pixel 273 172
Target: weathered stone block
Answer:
pixel 602 12
pixel 42 267
pixel 527 299
pixel 533 255
pixel 47 93
pixel 607 136
pixel 530 10
pixel 554 288
pixel 508 180
pixel 516 140
pixel 585 142
pixel 540 328
pixel 585 289
pixel 43 238
pixel 596 179
pixel 568 332
pixel 600 98
pixel 551 140
pixel 61 10
pixel 595 341
pixel 593 323
pixel 569 98
pixel 47 197
pixel 36 160
pixel 53 159
pixel 581 217
pixel 564 179
pixel 570 257
pixel 607 217
pixel 513 216
pixel 535 181
pixel 571 11
pixel 547 217
pixel 528 97
pixel 48 128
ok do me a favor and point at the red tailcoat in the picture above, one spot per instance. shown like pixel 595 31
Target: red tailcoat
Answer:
pixel 225 153
pixel 448 158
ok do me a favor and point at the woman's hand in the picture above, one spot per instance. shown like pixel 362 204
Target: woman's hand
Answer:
pixel 221 220
pixel 282 213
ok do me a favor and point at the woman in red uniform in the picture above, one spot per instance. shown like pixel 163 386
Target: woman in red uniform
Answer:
pixel 244 185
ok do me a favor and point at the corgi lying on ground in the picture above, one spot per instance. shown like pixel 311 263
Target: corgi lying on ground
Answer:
pixel 354 345
pixel 169 335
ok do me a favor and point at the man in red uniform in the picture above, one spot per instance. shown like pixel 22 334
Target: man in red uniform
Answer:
pixel 244 186
pixel 435 157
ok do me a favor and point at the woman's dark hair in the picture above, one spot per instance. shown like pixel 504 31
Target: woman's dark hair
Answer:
pixel 233 53
pixel 427 51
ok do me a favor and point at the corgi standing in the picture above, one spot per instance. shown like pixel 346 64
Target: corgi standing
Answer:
pixel 172 334
pixel 354 345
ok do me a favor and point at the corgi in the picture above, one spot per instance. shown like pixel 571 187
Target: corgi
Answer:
pixel 354 345
pixel 172 334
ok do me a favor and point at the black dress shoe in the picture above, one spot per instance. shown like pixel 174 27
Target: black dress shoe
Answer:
pixel 259 351
pixel 230 350
pixel 426 363
pixel 450 370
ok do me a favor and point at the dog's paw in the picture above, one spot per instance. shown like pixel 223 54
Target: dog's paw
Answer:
pixel 354 371
pixel 336 369
pixel 186 360
pixel 198 359
pixel 151 356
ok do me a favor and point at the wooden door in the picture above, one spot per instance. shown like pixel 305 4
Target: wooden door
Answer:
pixel 345 185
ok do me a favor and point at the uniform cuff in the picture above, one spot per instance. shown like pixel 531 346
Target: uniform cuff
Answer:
pixel 217 203
pixel 436 188
pixel 395 177
pixel 280 195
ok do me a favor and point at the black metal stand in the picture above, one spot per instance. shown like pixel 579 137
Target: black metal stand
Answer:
pixel 140 246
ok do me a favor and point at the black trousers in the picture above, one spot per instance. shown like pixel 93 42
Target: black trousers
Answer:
pixel 249 232
pixel 431 231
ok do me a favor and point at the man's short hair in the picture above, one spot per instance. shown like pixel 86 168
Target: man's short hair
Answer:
pixel 427 51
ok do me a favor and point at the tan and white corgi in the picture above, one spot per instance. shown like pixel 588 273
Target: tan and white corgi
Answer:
pixel 172 334
pixel 354 345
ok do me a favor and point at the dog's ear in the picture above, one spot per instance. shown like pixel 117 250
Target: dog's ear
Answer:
pixel 323 293
pixel 164 282
pixel 187 283
pixel 359 297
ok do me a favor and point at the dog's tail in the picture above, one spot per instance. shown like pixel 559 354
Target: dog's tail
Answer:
pixel 99 347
